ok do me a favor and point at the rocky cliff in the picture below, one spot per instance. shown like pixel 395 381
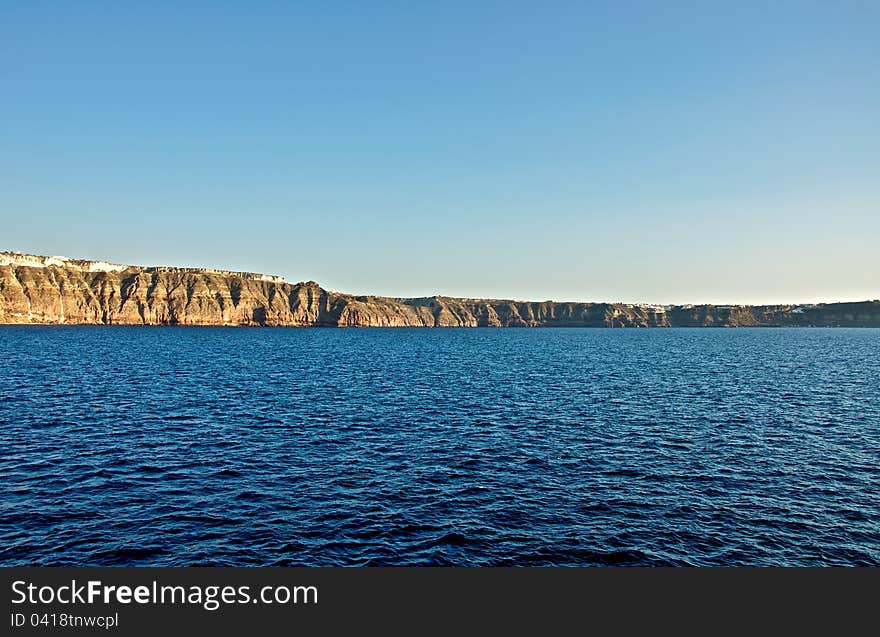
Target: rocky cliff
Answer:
pixel 56 290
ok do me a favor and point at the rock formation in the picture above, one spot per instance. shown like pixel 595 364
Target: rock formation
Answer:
pixel 55 290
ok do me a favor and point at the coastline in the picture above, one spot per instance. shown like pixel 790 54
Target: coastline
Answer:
pixel 60 291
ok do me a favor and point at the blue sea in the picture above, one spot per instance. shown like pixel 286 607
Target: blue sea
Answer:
pixel 284 446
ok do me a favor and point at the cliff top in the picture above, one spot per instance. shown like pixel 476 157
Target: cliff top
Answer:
pixel 83 265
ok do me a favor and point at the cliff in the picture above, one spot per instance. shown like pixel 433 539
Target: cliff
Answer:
pixel 55 290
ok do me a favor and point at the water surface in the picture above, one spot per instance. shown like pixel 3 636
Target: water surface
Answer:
pixel 184 446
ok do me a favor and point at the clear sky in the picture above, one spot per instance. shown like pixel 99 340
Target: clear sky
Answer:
pixel 608 151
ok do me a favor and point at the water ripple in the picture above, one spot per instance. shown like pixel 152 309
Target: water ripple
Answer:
pixel 204 446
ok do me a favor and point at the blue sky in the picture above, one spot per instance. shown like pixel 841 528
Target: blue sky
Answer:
pixel 619 151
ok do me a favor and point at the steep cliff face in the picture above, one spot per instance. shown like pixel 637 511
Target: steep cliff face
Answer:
pixel 82 293
pixel 134 297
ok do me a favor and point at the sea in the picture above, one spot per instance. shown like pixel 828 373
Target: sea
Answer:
pixel 179 446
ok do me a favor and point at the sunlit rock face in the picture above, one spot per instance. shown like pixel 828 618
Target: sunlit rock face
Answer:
pixel 57 290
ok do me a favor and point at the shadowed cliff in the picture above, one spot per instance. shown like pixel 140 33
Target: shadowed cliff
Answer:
pixel 69 292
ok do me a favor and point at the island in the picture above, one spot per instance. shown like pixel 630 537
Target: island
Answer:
pixel 57 290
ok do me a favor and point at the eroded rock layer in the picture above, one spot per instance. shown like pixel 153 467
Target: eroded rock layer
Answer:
pixel 129 295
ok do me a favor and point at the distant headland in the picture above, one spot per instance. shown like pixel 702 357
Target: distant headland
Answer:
pixel 58 290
